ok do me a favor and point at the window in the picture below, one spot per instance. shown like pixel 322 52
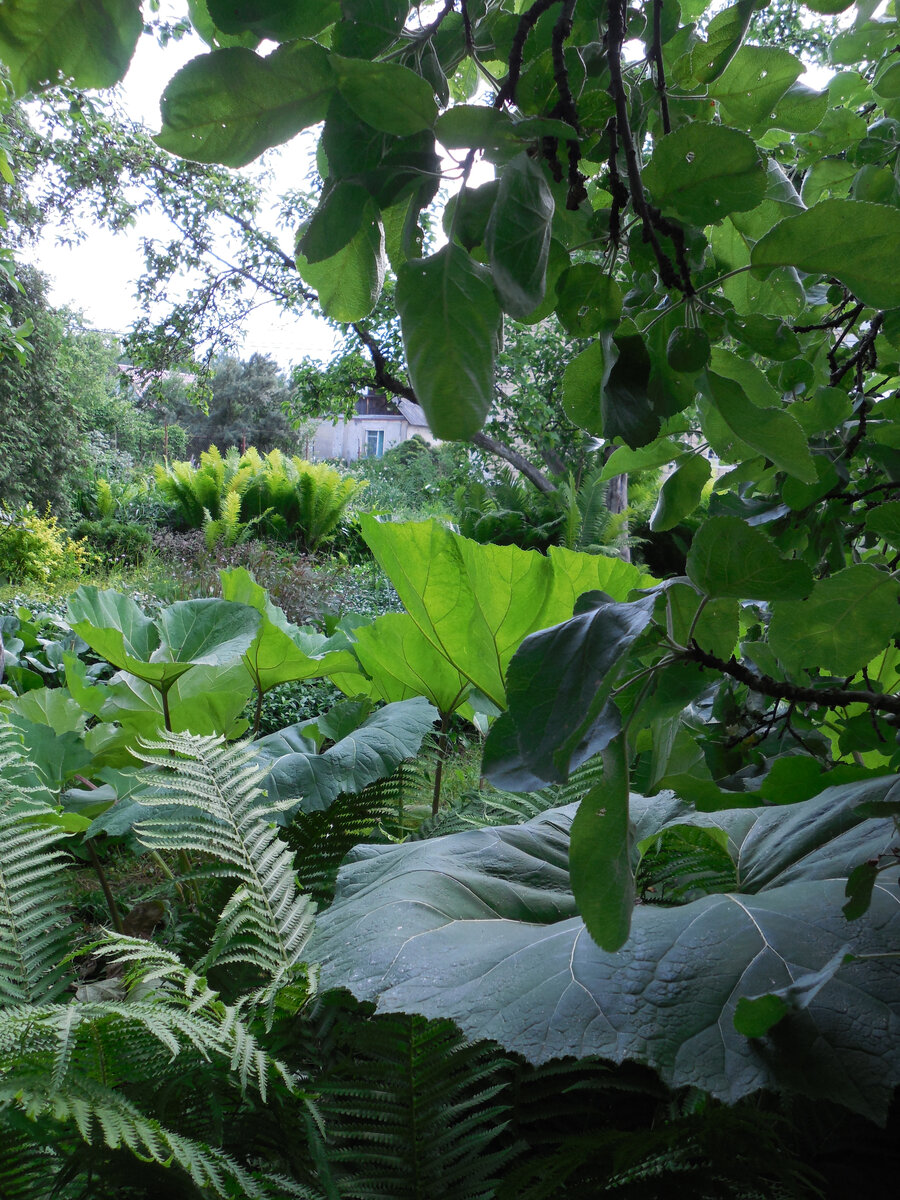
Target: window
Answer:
pixel 374 443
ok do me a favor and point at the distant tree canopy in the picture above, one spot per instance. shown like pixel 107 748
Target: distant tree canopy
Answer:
pixel 244 407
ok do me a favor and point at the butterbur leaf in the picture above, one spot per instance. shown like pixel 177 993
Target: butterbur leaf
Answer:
pixel 231 105
pixel 386 95
pixel 728 557
pixel 853 240
pixel 756 1015
pixel 518 236
pixel 482 928
pixel 701 173
pixel 89 42
pixel 599 853
pixel 451 325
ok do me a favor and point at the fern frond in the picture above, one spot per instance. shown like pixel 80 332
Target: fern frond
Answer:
pixel 414 1112
pixel 214 805
pixel 34 934
pixel 26 1168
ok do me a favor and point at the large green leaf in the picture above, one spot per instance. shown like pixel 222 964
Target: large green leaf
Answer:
pixel 680 492
pixel 385 95
pixel 209 632
pixel 452 325
pixel 231 105
pixel 401 662
pixel 475 603
pixel 349 283
pixel 753 82
pixel 372 751
pixel 731 558
pixel 701 173
pixel 770 431
pixel 518 236
pixel 558 687
pixel 89 42
pixel 845 621
pixel 274 18
pixel 482 928
pixel 282 652
pixel 850 239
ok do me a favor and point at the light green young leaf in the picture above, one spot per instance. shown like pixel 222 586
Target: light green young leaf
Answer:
pixel 349 283
pixel 386 95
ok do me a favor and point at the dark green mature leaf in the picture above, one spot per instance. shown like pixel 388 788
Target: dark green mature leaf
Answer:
pixel 558 685
pixel 627 407
pixel 89 42
pixel 680 492
pixel 885 521
pixel 274 18
pixel 600 853
pixel 588 300
pixel 482 928
pixel 518 236
pixel 349 283
pixel 730 558
pixel 385 95
pixel 853 240
pixel 859 890
pixel 452 325
pixel 724 36
pixel 846 620
pixel 770 431
pixel 231 105
pixel 373 751
pixel 335 222
pixel 701 173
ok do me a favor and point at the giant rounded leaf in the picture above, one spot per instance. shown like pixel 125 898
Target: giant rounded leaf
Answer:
pixel 702 173
pixel 851 239
pixel 482 928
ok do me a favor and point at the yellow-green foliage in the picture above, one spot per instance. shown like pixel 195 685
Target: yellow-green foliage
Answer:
pixel 37 548
pixel 282 497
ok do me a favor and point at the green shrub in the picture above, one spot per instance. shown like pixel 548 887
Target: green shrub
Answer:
pixel 116 541
pixel 36 548
pixel 288 498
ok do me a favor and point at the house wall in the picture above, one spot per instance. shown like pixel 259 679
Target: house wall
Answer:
pixel 347 439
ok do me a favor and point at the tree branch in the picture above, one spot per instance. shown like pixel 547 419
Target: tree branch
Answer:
pixel 657 57
pixel 515 459
pixel 765 685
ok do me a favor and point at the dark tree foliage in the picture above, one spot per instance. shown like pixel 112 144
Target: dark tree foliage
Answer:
pixel 39 425
pixel 244 407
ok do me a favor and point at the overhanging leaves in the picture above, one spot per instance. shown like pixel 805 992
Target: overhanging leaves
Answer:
pixel 702 173
pixel 452 325
pixel 518 236
pixel 850 239
pixel 231 105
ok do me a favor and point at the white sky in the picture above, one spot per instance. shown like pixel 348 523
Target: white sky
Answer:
pixel 98 274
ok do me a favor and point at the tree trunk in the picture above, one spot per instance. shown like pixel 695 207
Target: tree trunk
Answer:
pixel 617 502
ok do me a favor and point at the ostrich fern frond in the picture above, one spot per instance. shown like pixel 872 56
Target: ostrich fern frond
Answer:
pixel 214 806
pixel 33 929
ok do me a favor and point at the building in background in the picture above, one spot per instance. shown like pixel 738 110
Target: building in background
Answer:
pixel 379 423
